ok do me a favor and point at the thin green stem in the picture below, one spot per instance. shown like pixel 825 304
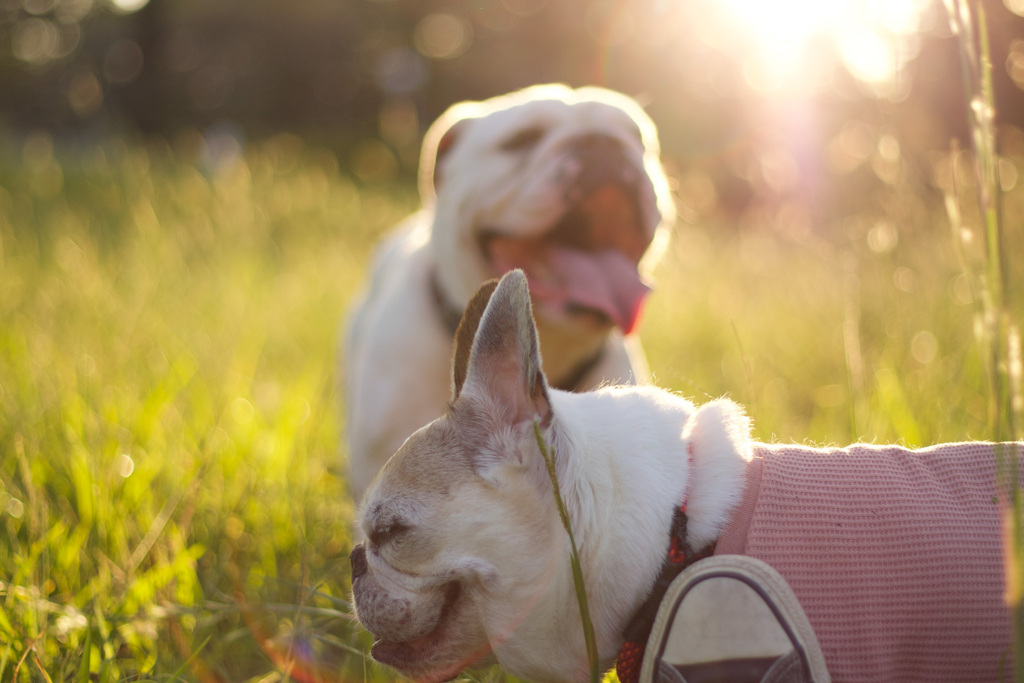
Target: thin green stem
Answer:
pixel 574 558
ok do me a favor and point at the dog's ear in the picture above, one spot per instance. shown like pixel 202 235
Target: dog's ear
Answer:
pixel 466 332
pixel 439 140
pixel 504 363
pixel 444 145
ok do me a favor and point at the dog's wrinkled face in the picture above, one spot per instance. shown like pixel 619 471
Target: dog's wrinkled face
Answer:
pixel 564 184
pixel 462 537
pixel 408 594
pixel 433 581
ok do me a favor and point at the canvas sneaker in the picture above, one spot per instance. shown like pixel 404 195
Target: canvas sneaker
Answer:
pixel 732 618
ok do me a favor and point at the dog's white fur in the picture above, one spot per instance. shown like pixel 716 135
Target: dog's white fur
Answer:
pixel 466 561
pixel 398 350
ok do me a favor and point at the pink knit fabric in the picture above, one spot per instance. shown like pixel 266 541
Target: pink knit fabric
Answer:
pixel 894 554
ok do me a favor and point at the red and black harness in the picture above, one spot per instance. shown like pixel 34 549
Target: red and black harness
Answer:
pixel 680 556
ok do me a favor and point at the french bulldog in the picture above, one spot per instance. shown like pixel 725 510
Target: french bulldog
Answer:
pixel 465 559
pixel 562 183
pixel 894 554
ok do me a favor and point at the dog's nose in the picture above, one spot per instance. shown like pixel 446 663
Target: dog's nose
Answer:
pixel 603 161
pixel 358 561
pixel 597 144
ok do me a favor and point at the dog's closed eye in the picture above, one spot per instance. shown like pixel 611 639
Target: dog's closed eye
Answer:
pixel 384 533
pixel 524 140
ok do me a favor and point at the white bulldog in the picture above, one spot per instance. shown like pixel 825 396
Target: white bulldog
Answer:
pixel 564 184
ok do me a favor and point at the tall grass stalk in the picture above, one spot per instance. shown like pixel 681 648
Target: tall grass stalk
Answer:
pixel 574 559
pixel 1000 336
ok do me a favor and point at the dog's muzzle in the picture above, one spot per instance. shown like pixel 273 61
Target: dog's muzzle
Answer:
pixel 585 265
pixel 392 611
pixel 603 162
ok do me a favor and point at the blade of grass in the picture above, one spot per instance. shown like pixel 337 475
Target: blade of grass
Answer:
pixel 188 662
pixel 29 647
pixel 83 668
pixel 574 558
pixel 6 658
pixel 42 669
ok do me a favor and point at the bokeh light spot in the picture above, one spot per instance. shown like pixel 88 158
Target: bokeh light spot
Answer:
pixel 883 237
pixel 123 62
pixel 72 11
pixel 1007 174
pixel 234 528
pixel 857 139
pixel 125 465
pixel 924 347
pixel 241 410
pixel 37 150
pixel 1015 62
pixel 442 36
pixel 963 292
pixel 889 148
pixel 373 162
pixel 182 52
pixel 869 56
pixel 86 363
pixel 400 71
pixel 905 279
pixel 780 170
pixel 851 148
pixel 37 7
pixel 223 146
pixel 697 192
pixel 36 41
pixel 85 95
pixel 399 122
pixel 128 6
pixel 15 508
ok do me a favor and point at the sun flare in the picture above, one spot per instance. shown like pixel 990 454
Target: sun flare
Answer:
pixel 873 38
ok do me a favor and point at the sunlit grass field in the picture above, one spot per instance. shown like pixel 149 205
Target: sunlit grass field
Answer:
pixel 172 494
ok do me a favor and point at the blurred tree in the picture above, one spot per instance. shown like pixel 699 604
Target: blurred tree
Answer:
pixel 748 96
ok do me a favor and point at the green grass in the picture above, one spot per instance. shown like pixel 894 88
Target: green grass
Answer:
pixel 169 430
pixel 172 495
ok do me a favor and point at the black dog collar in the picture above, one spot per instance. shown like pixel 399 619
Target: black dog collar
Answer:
pixel 450 317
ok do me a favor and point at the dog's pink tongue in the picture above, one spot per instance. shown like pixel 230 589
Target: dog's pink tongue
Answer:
pixel 568 279
pixel 604 281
